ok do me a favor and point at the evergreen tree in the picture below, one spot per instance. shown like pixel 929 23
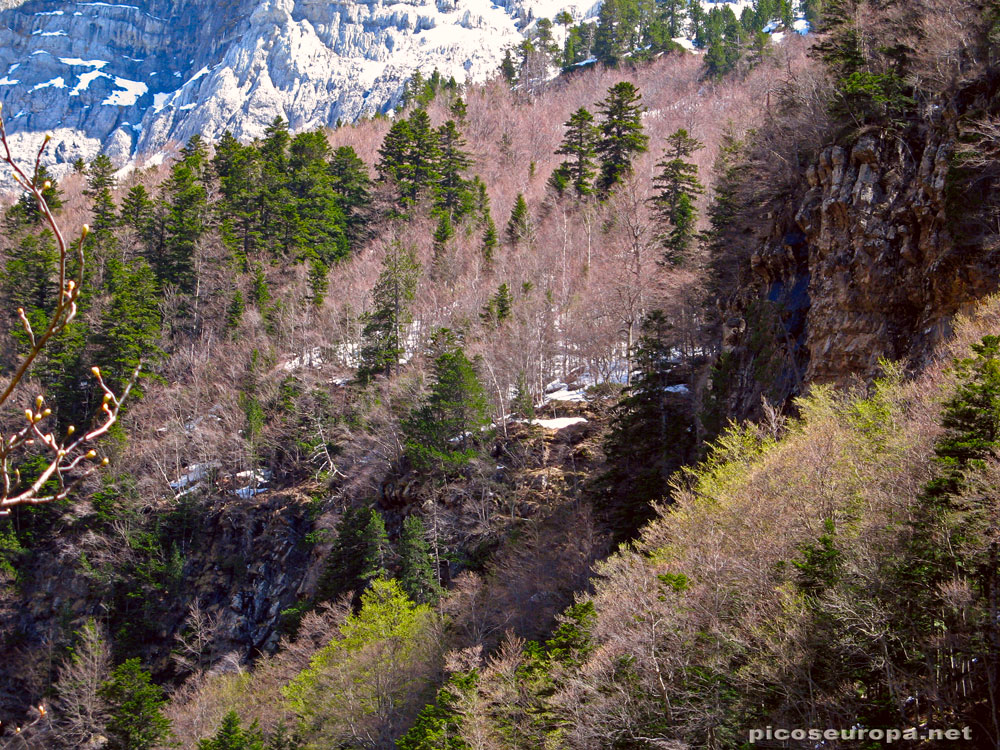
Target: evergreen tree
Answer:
pixel 621 134
pixel 677 186
pixel 453 194
pixel 135 706
pixel 384 326
pixel 186 217
pixel 650 434
pixel 104 215
pixel 29 281
pixel 580 144
pixel 618 30
pixel 375 546
pixel 408 157
pixel 232 736
pixel 723 38
pixel 274 198
pixel 360 551
pixel 318 281
pixel 353 186
pixel 439 725
pixel 443 232
pixel 519 224
pixel 498 308
pixel 416 576
pixel 443 432
pixel 137 213
pixel 238 169
pixel 458 109
pixel 489 239
pixel 508 69
pixel 317 222
pixel 130 325
pixel 26 211
pixel 522 404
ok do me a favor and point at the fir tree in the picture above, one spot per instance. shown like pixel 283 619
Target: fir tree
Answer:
pixel 130 325
pixel 443 232
pixel 29 280
pixel 232 736
pixel 104 215
pixel 274 199
pixel 318 281
pixel 375 546
pixel 489 239
pixel 621 134
pixel 316 219
pixel 416 576
pixel 519 224
pixel 458 109
pixel 650 434
pixel 498 308
pixel 135 705
pixel 353 186
pixel 26 211
pixel 522 404
pixel 453 194
pixel 677 186
pixel 238 169
pixel 137 214
pixel 508 69
pixel 186 217
pixel 443 432
pixel 383 331
pixel 580 144
pixel 618 30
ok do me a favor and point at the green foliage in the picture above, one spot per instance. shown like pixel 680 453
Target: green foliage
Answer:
pixel 232 736
pixel 580 144
pixel 522 404
pixel 677 187
pixel 360 554
pixel 621 135
pixel 439 725
pixel 416 575
pixel 135 706
pixel 651 432
pixel 130 326
pixel 444 432
pixel 369 673
pixel 519 227
pixel 385 325
pixel 490 240
pixel 187 217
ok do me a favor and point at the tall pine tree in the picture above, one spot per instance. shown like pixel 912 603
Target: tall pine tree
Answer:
pixel 677 188
pixel 622 136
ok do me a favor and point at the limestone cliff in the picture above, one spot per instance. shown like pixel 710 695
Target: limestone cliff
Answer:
pixel 863 264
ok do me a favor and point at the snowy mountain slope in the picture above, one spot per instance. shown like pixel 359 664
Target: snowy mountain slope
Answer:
pixel 130 77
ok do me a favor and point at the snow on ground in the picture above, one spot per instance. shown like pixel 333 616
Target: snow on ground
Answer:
pixel 195 474
pixel 5 81
pixel 559 423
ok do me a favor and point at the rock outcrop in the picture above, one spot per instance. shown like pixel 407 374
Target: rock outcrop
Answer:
pixel 864 268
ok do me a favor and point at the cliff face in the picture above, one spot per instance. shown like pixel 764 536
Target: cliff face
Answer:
pixel 129 78
pixel 864 267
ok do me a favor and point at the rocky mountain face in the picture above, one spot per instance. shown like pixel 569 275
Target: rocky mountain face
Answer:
pixel 130 79
pixel 870 263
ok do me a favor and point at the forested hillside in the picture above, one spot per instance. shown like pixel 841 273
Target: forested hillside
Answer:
pixel 628 408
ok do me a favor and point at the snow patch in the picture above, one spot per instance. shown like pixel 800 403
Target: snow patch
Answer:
pixel 39 32
pixel 98 64
pixel 85 79
pixel 55 83
pixel 130 93
pixel 559 423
